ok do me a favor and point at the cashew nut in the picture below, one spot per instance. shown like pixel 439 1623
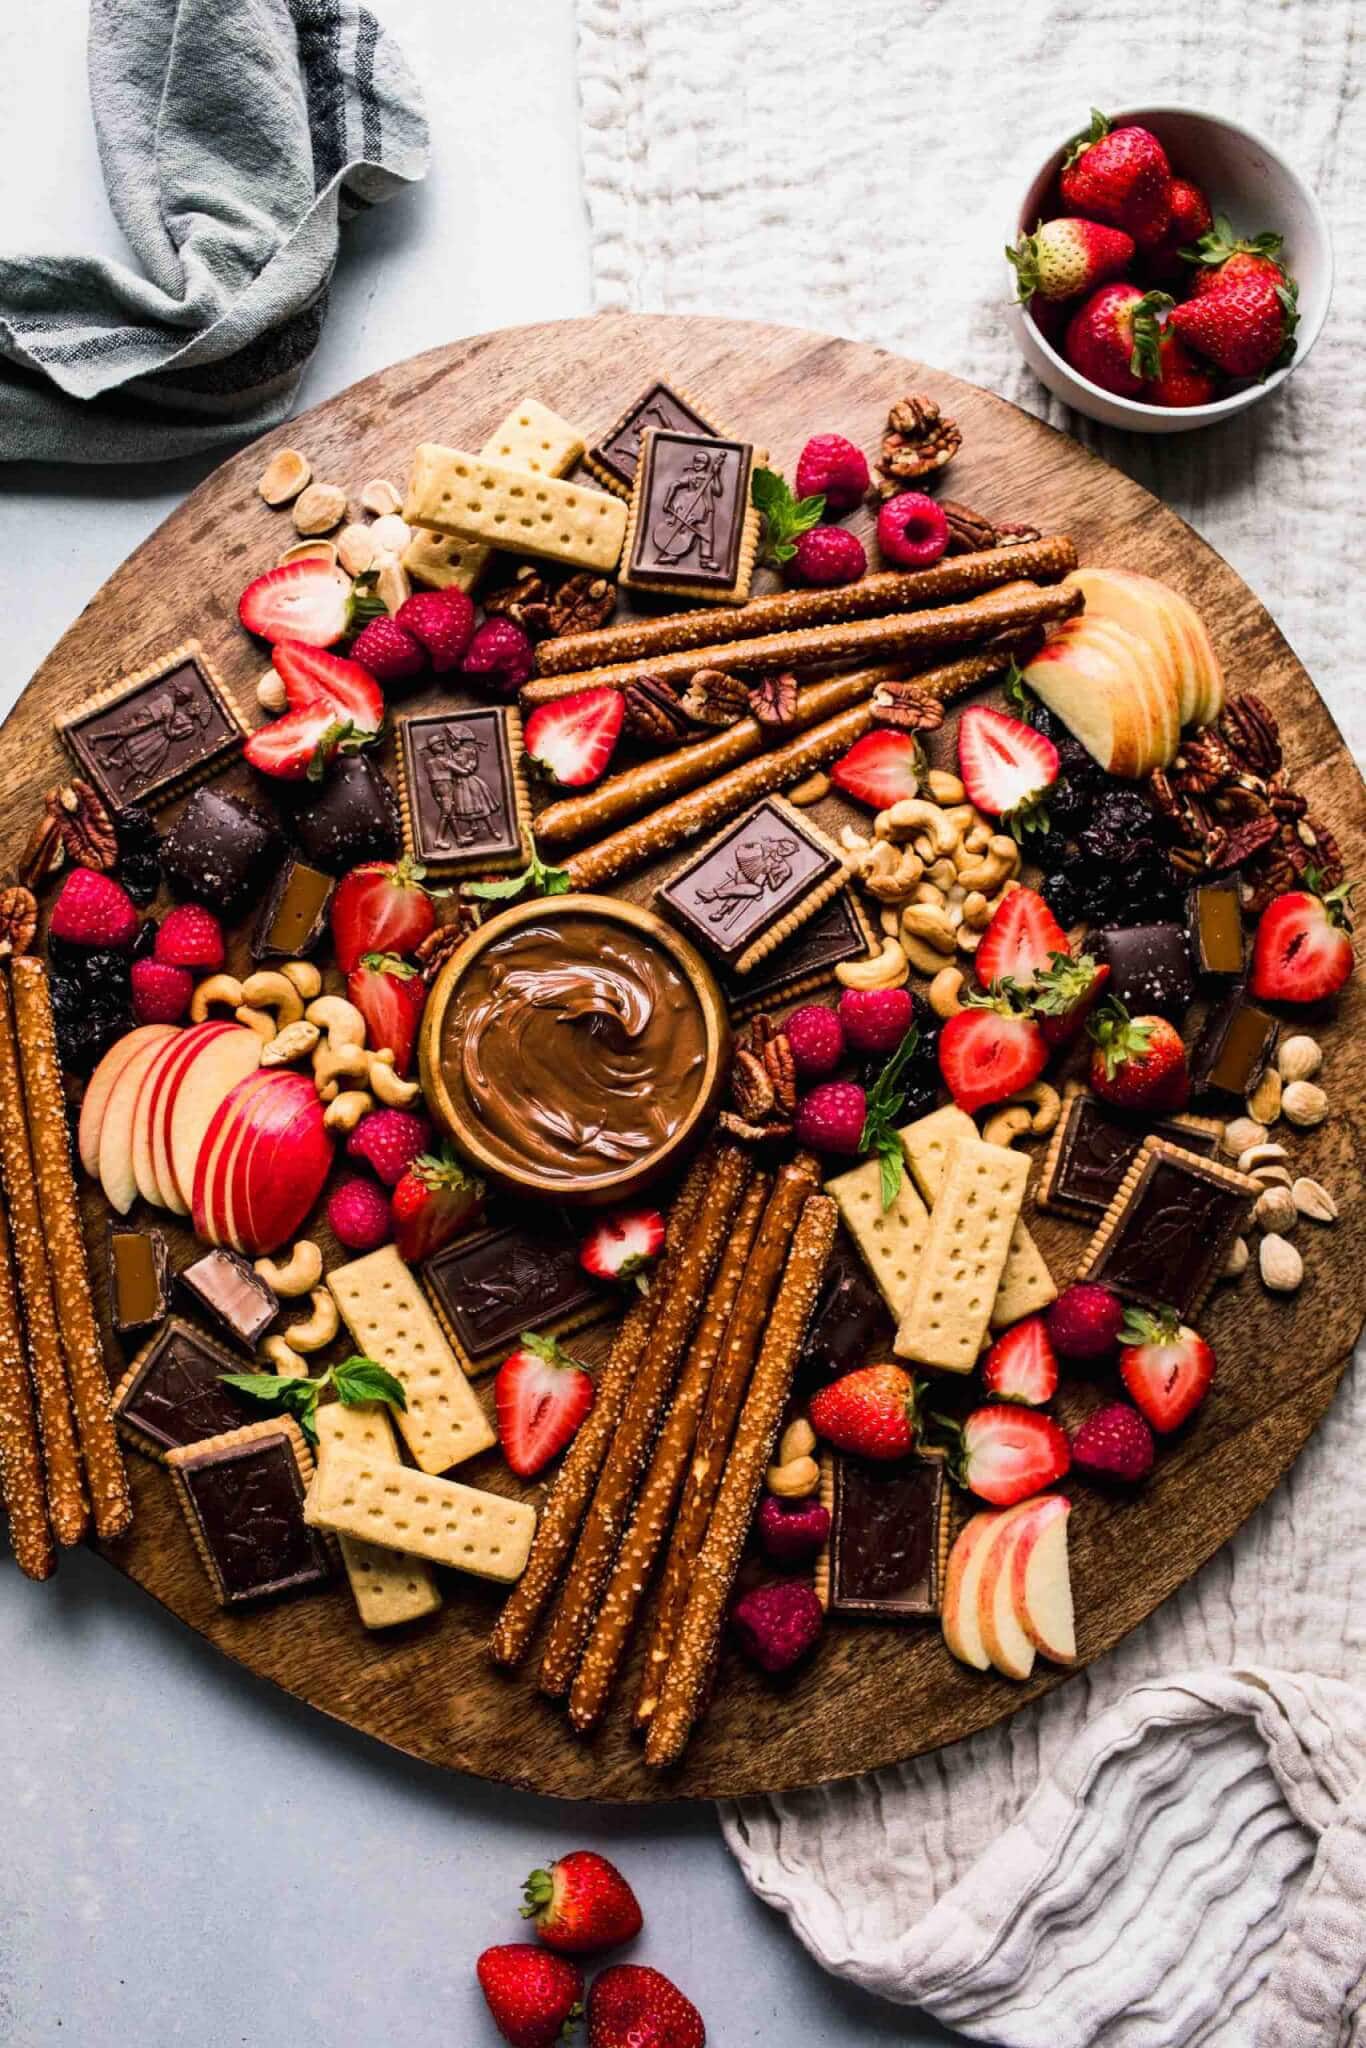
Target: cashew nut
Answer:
pixel 930 922
pixel 915 814
pixel 929 892
pixel 945 990
pixel 298 1274
pixel 216 988
pixel 969 938
pixel 889 917
pixel 976 910
pixel 996 865
pixel 259 1021
pixel 886 969
pixel 793 1481
pixel 894 883
pixel 269 990
pixel 944 788
pixel 333 1064
pixel 295 1042
pixel 925 959
pixel 305 977
pixel 319 1327
pixel 1006 1125
pixel 345 1111
pixel 387 1086
pixel 854 841
pixel 286 1361
pixel 798 1440
pixel 942 873
pixel 963 817
pixel 341 1020
pixel 1042 1105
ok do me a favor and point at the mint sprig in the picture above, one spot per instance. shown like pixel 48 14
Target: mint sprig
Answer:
pixel 355 1381
pixel 536 876
pixel 885 1103
pixel 785 516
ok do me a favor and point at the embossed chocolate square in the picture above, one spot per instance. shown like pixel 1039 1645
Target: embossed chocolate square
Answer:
pixel 172 1394
pixel 463 790
pixel 616 456
pixel 243 1496
pixel 806 961
pixel 692 529
pixel 489 1287
pixel 156 732
pixel 757 882
pixel 889 1527
pixel 1165 1236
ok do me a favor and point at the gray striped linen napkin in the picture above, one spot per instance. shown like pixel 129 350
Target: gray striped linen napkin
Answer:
pixel 235 135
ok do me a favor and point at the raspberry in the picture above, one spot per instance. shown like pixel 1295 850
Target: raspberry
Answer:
pixel 777 1625
pixel 876 1019
pixel 499 658
pixel 389 1140
pixel 161 994
pixel 827 554
pixel 93 911
pixel 443 620
pixel 831 1117
pixel 359 1215
pixel 390 653
pixel 832 468
pixel 792 1531
pixel 816 1037
pixel 190 936
pixel 1085 1320
pixel 912 530
pixel 1115 1444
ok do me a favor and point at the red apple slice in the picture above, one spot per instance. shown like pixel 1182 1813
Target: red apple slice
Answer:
pixel 224 1133
pixel 101 1086
pixel 114 1164
pixel 962 1584
pixel 262 1117
pixel 1041 1586
pixel 162 1077
pixel 206 1082
pixel 282 1180
pixel 1003 1635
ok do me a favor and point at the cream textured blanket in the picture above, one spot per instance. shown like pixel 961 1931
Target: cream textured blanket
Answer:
pixel 1142 1860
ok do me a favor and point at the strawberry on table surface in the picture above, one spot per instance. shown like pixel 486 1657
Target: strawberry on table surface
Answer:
pixel 1022 1365
pixel 581 1903
pixel 381 907
pixel 1167 1368
pixel 1063 996
pixel 1120 176
pixel 622 1244
pixel 311 601
pixel 1064 257
pixel 880 769
pixel 1004 1453
pixel 573 739
pixel 872 1412
pixel 1112 338
pixel 631 2006
pixel 1007 766
pixel 542 1396
pixel 1302 952
pixel 433 1201
pixel 989 1051
pixel 390 996
pixel 532 1993
pixel 1021 941
pixel 1137 1062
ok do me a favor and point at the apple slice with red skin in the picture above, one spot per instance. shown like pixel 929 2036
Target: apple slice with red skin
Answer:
pixel 959 1615
pixel 225 1132
pixel 101 1085
pixel 261 1118
pixel 282 1179
pixel 1041 1586
pixel 143 1170
pixel 151 1107
pixel 212 1076
pixel 1004 1638
pixel 115 1163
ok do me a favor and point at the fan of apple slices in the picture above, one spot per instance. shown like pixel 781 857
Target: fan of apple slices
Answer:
pixel 1008 1592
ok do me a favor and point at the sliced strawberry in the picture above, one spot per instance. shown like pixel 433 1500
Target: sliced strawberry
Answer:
pixel 1022 1365
pixel 989 1051
pixel 1006 766
pixel 381 907
pixel 310 601
pixel 1020 942
pixel 880 769
pixel 389 995
pixel 572 740
pixel 1006 1453
pixel 1302 952
pixel 433 1202
pixel 298 747
pixel 312 677
pixel 1166 1367
pixel 1064 995
pixel 541 1396
pixel 622 1244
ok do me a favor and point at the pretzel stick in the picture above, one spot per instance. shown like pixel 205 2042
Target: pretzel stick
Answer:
pixel 650 782
pixel 568 1497
pixel 719 1558
pixel 795 1183
pixel 21 1458
pixel 649 1523
pixel 616 1487
pixel 67 1503
pixel 901 636
pixel 61 1221
pixel 948 582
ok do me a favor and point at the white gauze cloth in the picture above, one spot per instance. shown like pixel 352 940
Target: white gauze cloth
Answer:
pixel 1139 1860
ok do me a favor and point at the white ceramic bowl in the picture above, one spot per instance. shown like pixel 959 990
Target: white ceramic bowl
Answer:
pixel 1253 184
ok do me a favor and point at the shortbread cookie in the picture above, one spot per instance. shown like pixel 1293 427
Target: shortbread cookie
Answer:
pixel 531 437
pixel 506 507
pixel 891 1239
pixel 947 1316
pixel 1026 1283
pixel 388 1588
pixel 388 1315
pixel 437 1519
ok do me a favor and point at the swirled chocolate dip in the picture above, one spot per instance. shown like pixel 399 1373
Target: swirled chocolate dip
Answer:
pixel 577 1046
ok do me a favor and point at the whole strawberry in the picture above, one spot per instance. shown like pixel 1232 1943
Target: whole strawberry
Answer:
pixel 792 1531
pixel 433 1201
pixel 1063 258
pixel 831 1117
pixel 381 907
pixel 1245 328
pixel 871 1412
pixel 1137 1062
pixel 580 1904
pixel 776 1626
pixel 91 910
pixel 832 468
pixel 190 936
pixel 1112 338
pixel 1220 257
pixel 1190 218
pixel 816 1037
pixel 499 658
pixel 631 2006
pixel 1085 1321
pixel 1120 176
pixel 161 994
pixel 389 652
pixel 827 555
pixel 1114 1446
pixel 359 1215
pixel 442 622
pixel 876 1020
pixel 1181 378
pixel 390 996
pixel 532 1994
pixel 389 1140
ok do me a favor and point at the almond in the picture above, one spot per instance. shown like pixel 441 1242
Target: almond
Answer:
pixel 1312 1199
pixel 1264 1103
pixel 1282 1268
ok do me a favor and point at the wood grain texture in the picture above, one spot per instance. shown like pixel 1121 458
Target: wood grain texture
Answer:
pixel 872 1695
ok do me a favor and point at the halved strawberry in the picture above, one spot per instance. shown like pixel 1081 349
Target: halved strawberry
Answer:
pixel 1064 995
pixel 572 740
pixel 1006 1453
pixel 622 1244
pixel 381 907
pixel 1302 952
pixel 1006 766
pixel 298 747
pixel 541 1396
pixel 311 601
pixel 389 995
pixel 435 1200
pixel 312 677
pixel 1166 1367
pixel 1020 942
pixel 1022 1364
pixel 989 1051
pixel 880 769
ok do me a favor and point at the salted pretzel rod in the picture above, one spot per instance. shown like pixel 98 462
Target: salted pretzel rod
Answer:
pixel 67 1502
pixel 110 1498
pixel 655 781
pixel 573 1485
pixel 21 1457
pixel 625 1461
pixel 900 636
pixel 795 1183
pixel 948 582
pixel 659 1491
pixel 718 1560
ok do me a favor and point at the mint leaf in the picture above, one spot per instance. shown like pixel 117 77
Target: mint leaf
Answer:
pixel 360 1379
pixel 262 1386
pixel 785 517
pixel 546 881
pixel 886 1100
pixel 296 1397
pixel 892 1165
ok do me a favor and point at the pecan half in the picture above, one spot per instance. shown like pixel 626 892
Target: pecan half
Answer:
pixel 1325 855
pixel 752 1134
pixel 526 601
pixel 87 830
pixel 436 949
pixel 653 712
pixel 18 920
pixel 774 1047
pixel 1203 763
pixel 1248 728
pixel 918 440
pixel 905 705
pixel 751 1089
pixel 43 854
pixel 1246 840
pixel 773 702
pixel 714 698
pixel 582 604
pixel 971 532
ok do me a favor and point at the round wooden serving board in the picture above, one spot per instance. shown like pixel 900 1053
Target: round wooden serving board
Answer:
pixel 872 1695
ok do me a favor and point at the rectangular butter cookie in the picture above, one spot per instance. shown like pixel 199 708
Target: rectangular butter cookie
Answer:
pixel 1026 1283
pixel 514 509
pixel 436 1519
pixel 947 1316
pixel 388 1315
pixel 387 1587
pixel 530 437
pixel 892 1239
